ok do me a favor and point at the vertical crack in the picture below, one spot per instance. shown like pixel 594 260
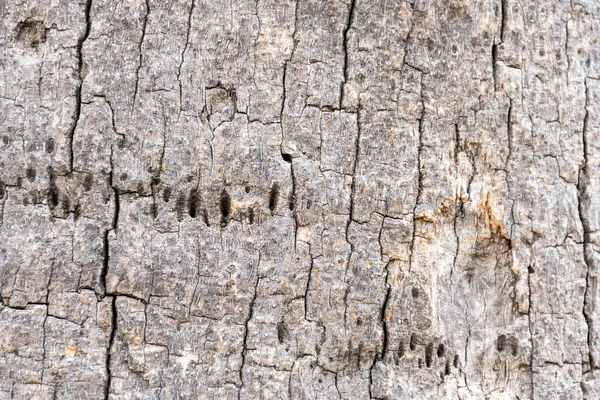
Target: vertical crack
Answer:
pixel 494 61
pixel 82 39
pixel 582 181
pixel 351 207
pixel 111 339
pixel 345 49
pixel 308 280
pixel 101 290
pixel 419 179
pixel 503 19
pixel 187 41
pixel 383 317
pixel 139 67
pixel 246 330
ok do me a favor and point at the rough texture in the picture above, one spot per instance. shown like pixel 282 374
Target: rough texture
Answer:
pixel 299 199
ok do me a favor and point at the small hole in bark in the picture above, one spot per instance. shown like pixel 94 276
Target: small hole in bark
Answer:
pixel 501 343
pixel 193 204
pixel 514 347
pixel 123 176
pixel 76 212
pixel 251 216
pixel 180 206
pixel 167 194
pixel 420 363
pixel 281 331
pixel 154 210
pixel 530 270
pixel 66 205
pixel 415 292
pixel 456 361
pixel 428 354
pixel 155 180
pixel 5 140
pixel 88 182
pixel 401 349
pixel 447 369
pixel 2 190
pixel 247 189
pixel 205 217
pixel 30 174
pixel 49 145
pixel 53 197
pixel 430 44
pixel 286 157
pixel 441 350
pixel 273 198
pixel 225 207
pixel 413 342
pixel 359 322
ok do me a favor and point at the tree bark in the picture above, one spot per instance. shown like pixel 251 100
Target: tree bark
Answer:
pixel 303 199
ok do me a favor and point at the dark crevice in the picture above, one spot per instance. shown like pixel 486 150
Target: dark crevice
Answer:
pixel 225 207
pixel 101 290
pixel 503 19
pixel 509 132
pixel 413 342
pixel 82 39
pixel 419 179
pixel 384 323
pixel 306 289
pixel 429 355
pixel 494 61
pixel 345 48
pixel 286 157
pixel 53 194
pixel 111 339
pixel 166 194
pixel 589 298
pixel 194 204
pixel 273 198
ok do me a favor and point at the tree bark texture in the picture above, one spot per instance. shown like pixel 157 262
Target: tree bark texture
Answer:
pixel 303 199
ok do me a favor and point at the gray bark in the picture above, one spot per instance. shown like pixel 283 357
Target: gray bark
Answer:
pixel 299 199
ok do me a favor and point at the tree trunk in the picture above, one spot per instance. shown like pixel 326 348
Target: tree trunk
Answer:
pixel 310 199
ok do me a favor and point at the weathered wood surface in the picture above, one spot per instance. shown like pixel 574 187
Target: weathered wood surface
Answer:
pixel 299 199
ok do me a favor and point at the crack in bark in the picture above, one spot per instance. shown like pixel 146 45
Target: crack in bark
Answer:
pixel 187 41
pixel 246 329
pixel 351 8
pixel 82 39
pixel 139 67
pixel 419 179
pixel 351 210
pixel 589 297
pixel 109 346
